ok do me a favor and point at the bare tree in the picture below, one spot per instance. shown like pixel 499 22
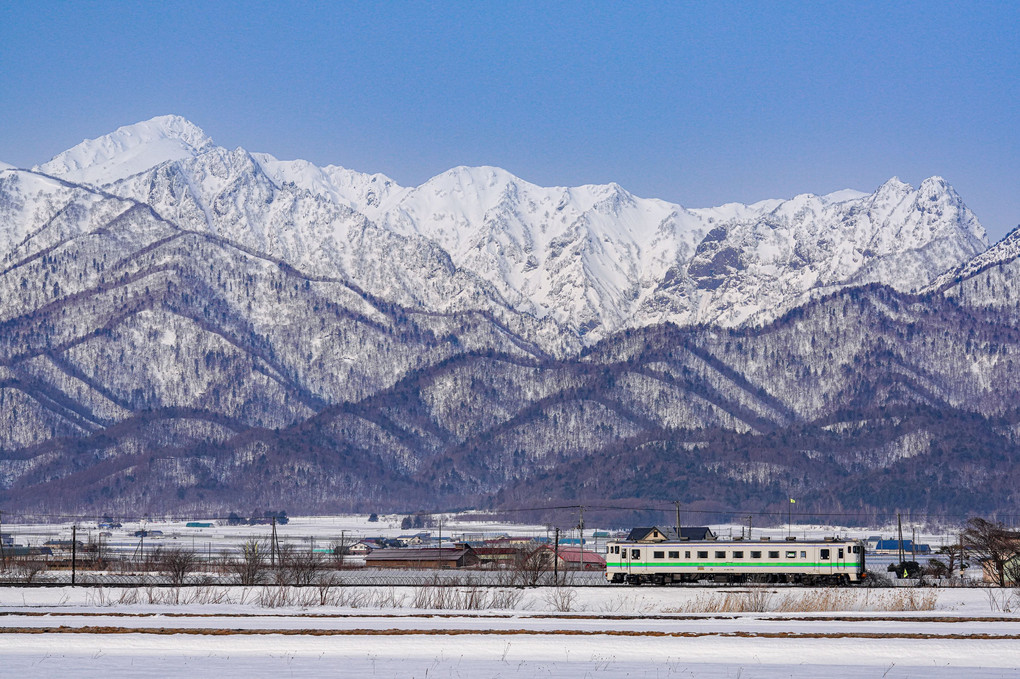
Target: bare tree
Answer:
pixel 177 563
pixel 249 565
pixel 297 566
pixel 994 545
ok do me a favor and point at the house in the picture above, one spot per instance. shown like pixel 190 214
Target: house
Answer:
pixel 669 534
pixel 360 548
pixel 414 539
pixel 1011 570
pixel 893 547
pixel 458 556
pixel 576 559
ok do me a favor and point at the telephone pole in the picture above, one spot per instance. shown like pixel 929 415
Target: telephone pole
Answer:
pixel 74 553
pixel 272 546
pixel 677 503
pixel 556 558
pixel 899 523
pixel 580 526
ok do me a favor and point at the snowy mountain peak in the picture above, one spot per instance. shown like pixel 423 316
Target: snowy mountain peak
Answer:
pixel 894 187
pixel 129 150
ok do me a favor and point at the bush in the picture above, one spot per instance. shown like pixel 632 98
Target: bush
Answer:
pixel 906 569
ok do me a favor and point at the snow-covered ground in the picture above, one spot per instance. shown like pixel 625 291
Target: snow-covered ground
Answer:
pixel 610 632
pixel 485 632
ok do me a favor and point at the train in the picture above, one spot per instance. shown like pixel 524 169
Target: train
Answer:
pixel 827 561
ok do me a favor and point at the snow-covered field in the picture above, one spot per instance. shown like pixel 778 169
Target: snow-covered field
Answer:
pixel 486 632
pixel 584 632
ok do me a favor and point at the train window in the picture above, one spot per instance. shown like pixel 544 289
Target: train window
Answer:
pixel 720 555
pixel 687 555
pixel 840 553
pixel 773 555
pixel 658 555
pixel 738 555
pixel 755 555
pixel 803 555
pixel 825 554
pixel 674 555
pixel 791 554
pixel 702 555
pixel 635 553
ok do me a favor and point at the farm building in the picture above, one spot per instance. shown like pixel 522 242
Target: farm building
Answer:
pixel 427 557
pixel 575 559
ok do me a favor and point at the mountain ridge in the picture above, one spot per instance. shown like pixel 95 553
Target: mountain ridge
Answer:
pixel 224 327
pixel 593 259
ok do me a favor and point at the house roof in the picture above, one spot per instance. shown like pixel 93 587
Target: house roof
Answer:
pixel 573 554
pixel 424 554
pixel 907 545
pixel 669 532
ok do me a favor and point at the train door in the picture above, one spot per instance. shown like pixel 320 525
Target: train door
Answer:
pixel 841 557
pixel 826 559
pixel 625 558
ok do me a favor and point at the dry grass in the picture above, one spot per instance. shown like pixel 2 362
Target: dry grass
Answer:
pixel 764 600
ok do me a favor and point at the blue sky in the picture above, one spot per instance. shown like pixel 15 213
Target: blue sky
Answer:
pixel 695 103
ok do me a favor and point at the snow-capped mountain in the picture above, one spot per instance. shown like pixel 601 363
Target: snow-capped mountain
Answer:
pixel 183 323
pixel 591 259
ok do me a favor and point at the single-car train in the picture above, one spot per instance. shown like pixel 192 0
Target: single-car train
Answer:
pixel 812 562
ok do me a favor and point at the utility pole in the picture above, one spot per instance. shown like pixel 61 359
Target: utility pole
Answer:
pixel 748 526
pixel 74 553
pixel 556 558
pixel 899 523
pixel 272 545
pixel 580 526
pixel 913 543
pixel 343 547
pixel 3 554
pixel 440 542
pixel 677 503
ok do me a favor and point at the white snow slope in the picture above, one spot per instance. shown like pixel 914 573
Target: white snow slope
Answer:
pixel 592 259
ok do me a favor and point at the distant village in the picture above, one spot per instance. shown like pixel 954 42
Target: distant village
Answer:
pixel 109 546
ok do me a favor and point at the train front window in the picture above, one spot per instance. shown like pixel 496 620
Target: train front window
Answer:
pixel 825 554
pixel 635 553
